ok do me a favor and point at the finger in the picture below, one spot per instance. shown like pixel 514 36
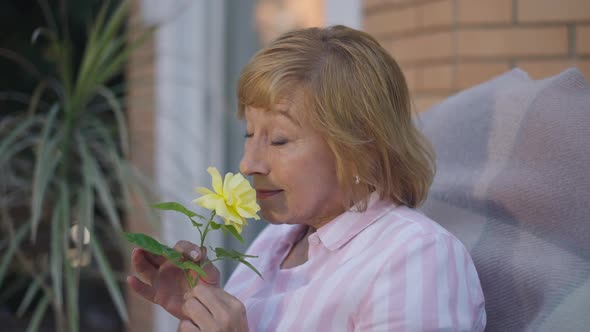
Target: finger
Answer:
pixel 212 299
pixel 155 260
pixel 198 314
pixel 187 326
pixel 213 277
pixel 144 267
pixel 142 289
pixel 191 251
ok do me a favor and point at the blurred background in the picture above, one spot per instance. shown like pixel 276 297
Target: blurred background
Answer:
pixel 173 100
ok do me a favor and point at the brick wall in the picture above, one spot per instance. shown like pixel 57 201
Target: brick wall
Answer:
pixel 140 103
pixel 445 46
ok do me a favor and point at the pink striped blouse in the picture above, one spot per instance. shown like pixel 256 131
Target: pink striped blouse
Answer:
pixel 386 269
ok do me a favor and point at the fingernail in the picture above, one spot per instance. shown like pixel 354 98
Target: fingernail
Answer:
pixel 187 296
pixel 133 251
pixel 194 254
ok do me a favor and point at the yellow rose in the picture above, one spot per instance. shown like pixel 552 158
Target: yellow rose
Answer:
pixel 233 200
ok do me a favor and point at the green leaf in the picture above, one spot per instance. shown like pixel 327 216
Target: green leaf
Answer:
pixel 95 130
pixel 36 97
pixel 106 199
pixel 141 187
pixel 65 66
pixel 124 182
pixel 151 245
pixel 145 242
pixel 45 165
pixel 110 50
pixel 85 213
pixel 109 277
pixel 97 178
pixel 9 253
pixel 28 298
pixel 214 225
pixel 99 23
pixel 233 231
pixel 38 314
pixel 196 224
pixel 172 255
pixel 18 146
pixel 91 54
pixel 188 265
pixel 222 253
pixel 243 261
pixel 117 62
pixel 86 199
pixel 174 206
pixel 115 23
pixel 57 249
pixel 117 109
pixel 14 136
pixel 242 255
pixel 72 298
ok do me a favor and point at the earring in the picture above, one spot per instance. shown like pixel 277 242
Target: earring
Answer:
pixel 357 180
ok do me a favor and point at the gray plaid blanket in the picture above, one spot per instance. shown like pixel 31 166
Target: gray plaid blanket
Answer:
pixel 513 183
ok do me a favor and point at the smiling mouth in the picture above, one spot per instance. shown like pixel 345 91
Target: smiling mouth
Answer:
pixel 264 194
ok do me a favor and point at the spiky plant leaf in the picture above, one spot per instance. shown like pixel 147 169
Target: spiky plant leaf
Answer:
pixel 109 277
pixel 38 314
pixel 47 160
pixel 117 109
pixel 32 290
pixel 72 298
pixel 14 244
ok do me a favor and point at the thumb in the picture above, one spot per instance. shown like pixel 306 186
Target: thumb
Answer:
pixel 193 252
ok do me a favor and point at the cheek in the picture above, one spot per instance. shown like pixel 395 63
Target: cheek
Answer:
pixel 312 180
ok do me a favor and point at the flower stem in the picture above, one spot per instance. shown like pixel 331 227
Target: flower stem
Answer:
pixel 204 234
pixel 198 228
pixel 207 228
pixel 189 279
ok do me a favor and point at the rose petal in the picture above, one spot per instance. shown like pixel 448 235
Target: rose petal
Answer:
pixel 216 180
pixel 209 202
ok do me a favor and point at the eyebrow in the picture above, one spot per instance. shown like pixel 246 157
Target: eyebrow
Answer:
pixel 285 112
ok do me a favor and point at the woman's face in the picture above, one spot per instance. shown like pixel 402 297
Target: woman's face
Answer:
pixel 292 167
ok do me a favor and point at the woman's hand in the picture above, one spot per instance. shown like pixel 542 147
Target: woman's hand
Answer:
pixel 163 283
pixel 212 309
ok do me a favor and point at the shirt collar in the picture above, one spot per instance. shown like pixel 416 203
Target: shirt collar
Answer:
pixel 343 228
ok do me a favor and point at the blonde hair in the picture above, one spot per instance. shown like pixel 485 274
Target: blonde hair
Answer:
pixel 356 96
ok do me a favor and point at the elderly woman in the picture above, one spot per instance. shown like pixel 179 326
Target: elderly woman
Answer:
pixel 339 168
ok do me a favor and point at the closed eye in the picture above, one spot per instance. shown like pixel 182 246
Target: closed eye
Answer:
pixel 279 142
pixel 248 135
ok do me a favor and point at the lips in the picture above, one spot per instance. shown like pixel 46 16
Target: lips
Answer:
pixel 264 194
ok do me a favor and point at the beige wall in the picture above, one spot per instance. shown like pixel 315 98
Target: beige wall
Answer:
pixel 445 46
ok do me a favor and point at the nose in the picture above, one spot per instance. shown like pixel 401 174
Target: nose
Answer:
pixel 254 160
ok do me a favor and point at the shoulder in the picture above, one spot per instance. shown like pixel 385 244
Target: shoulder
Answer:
pixel 423 225
pixel 405 242
pixel 404 226
pixel 421 241
pixel 422 267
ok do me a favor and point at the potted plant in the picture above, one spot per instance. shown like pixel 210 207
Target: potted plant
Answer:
pixel 65 180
